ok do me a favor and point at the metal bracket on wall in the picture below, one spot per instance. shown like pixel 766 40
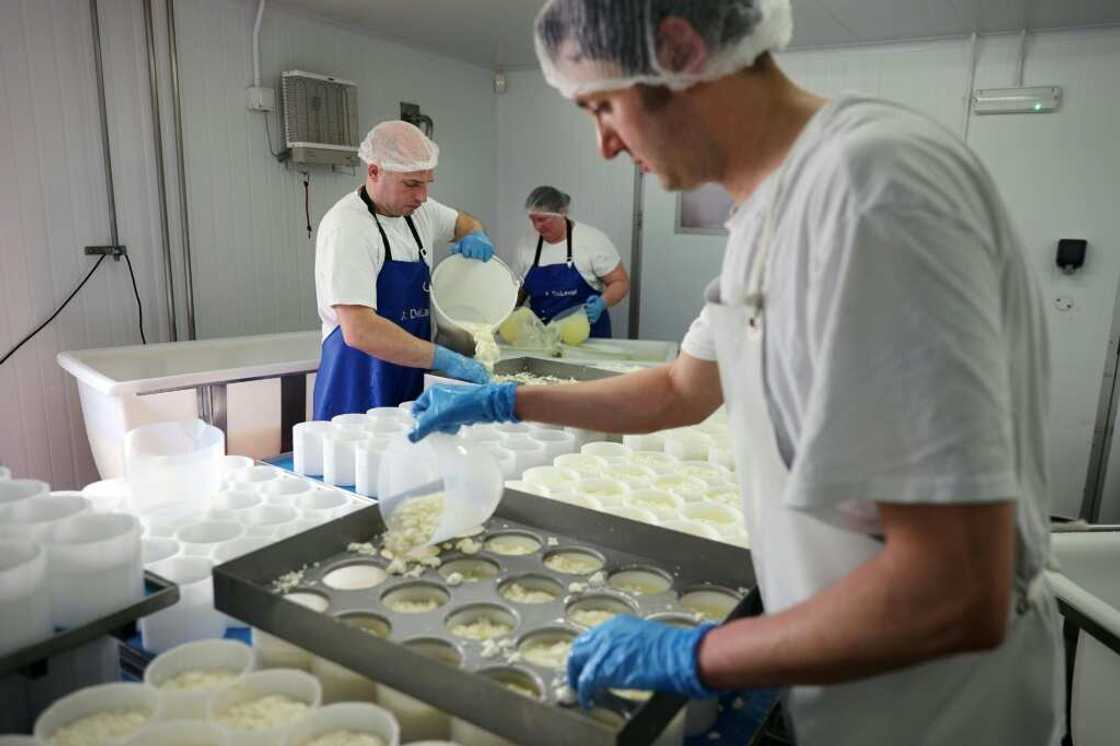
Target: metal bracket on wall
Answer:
pixel 114 251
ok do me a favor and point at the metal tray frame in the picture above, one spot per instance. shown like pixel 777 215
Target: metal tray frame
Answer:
pixel 243 589
pixel 159 593
pixel 535 365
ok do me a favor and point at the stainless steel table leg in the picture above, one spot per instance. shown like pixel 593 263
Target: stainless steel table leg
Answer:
pixel 212 405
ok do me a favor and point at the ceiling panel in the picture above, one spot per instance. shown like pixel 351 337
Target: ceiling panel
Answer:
pixel 499 32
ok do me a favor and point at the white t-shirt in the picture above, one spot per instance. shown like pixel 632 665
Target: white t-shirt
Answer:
pixel 592 252
pixel 906 349
pixel 349 253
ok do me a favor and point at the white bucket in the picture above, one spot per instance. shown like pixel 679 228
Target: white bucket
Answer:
pixel 173 463
pixel 471 291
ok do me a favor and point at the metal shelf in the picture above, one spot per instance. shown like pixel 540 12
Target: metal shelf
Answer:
pixel 159 593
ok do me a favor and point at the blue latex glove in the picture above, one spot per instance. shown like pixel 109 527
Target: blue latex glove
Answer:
pixel 594 305
pixel 445 409
pixel 476 245
pixel 630 653
pixel 459 366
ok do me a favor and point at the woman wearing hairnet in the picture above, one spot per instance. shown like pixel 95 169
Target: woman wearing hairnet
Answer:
pixel 569 263
pixel 372 273
pixel 878 337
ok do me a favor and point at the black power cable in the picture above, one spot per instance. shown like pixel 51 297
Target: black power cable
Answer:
pixel 139 305
pixel 82 284
pixel 39 328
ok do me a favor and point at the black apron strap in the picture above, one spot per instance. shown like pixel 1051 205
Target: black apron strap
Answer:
pixel 415 235
pixel 384 238
pixel 540 244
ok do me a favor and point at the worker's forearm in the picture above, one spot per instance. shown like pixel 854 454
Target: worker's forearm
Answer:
pixel 466 224
pixel 386 341
pixel 615 291
pixel 639 402
pixel 883 616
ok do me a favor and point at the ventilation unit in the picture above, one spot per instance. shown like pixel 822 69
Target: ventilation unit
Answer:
pixel 320 119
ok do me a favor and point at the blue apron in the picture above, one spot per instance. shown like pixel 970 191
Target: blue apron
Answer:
pixel 349 380
pixel 558 287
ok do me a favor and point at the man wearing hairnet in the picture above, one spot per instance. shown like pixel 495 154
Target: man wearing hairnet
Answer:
pixel 878 338
pixel 372 272
pixel 568 264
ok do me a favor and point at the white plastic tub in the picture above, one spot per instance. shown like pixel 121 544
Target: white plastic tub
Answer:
pixel 93 700
pixel 173 464
pixel 193 617
pixel 606 450
pixel 231 504
pixel 94 567
pixel 205 655
pixel 527 453
pixel 555 442
pixel 15 491
pixel 201 538
pixel 180 733
pixel 285 490
pixel 124 387
pixel 33 519
pixel 297 685
pixel 322 505
pixel 506 459
pixel 352 717
pixel 25 602
pixel 108 495
pixel 340 455
pixel 367 464
pixel 307 447
pixel 266 520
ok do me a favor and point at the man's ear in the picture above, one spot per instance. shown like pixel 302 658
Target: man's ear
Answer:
pixel 679 48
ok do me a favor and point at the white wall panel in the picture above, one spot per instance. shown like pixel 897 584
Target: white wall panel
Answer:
pixel 52 203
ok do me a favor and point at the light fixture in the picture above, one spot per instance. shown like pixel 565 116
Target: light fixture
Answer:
pixel 1040 100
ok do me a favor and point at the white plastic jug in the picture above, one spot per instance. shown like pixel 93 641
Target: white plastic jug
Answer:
pixel 467 290
pixel 467 475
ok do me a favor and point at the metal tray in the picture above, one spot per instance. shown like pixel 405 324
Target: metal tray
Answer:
pixel 243 588
pixel 535 365
pixel 159 593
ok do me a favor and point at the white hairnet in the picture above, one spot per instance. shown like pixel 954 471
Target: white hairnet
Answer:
pixel 399 146
pixel 547 200
pixel 589 46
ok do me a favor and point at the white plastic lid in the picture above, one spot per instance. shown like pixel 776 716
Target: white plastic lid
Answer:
pixel 466 473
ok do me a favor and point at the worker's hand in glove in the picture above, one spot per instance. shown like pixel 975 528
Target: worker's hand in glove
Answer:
pixel 475 245
pixel 445 409
pixel 594 305
pixel 630 653
pixel 459 366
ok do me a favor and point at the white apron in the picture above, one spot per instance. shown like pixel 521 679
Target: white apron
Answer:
pixel 1013 695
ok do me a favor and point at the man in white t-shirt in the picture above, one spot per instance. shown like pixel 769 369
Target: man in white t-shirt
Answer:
pixel 565 264
pixel 879 340
pixel 372 278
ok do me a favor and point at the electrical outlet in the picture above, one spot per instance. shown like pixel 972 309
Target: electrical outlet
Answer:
pixel 260 98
